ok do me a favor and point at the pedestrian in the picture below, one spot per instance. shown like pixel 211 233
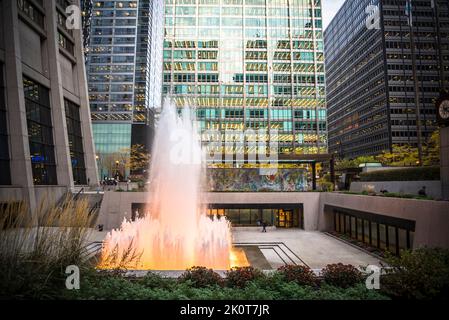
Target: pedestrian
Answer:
pixel 264 226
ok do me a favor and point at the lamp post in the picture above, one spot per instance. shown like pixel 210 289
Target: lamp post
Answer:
pixel 117 175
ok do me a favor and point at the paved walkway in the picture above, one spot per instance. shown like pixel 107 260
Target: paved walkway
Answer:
pixel 315 248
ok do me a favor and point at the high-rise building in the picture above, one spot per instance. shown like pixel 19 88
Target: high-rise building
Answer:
pixel 86 17
pixel 46 143
pixel 249 64
pixel 369 71
pixel 124 68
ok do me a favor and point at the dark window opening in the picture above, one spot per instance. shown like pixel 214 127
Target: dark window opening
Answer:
pixel 40 133
pixel 377 232
pixel 72 115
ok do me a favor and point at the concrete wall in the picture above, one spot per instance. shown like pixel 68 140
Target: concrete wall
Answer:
pixel 117 205
pixel 28 50
pixel 431 217
pixel 444 158
pixel 433 188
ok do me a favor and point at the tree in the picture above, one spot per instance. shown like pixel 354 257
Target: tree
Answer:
pixel 139 158
pixel 406 155
pixel 401 156
pixel 432 149
pixel 354 163
pixel 111 164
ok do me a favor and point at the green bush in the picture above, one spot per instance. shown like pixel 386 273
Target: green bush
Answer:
pixel 300 274
pixel 421 274
pixel 152 280
pixel 201 277
pixel 409 174
pixel 239 277
pixel 341 275
pixel 101 286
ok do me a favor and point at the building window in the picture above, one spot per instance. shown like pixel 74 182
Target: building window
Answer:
pixel 394 235
pixel 65 43
pixel 40 133
pixel 30 10
pixel 282 218
pixel 5 176
pixel 72 115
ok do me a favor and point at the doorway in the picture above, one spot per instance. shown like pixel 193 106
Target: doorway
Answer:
pixel 285 218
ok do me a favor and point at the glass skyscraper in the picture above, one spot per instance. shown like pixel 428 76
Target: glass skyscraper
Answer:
pixel 249 64
pixel 370 84
pixel 124 70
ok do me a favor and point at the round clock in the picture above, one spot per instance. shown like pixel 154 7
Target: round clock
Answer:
pixel 443 110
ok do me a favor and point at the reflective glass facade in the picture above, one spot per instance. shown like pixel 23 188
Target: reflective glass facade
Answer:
pixel 124 68
pixel 370 83
pixel 249 64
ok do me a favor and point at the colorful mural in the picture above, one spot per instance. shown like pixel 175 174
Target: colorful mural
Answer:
pixel 250 180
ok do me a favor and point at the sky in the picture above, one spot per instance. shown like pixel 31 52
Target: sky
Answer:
pixel 330 9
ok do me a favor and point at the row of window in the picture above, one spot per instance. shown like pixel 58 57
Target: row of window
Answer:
pixel 250 44
pixel 238 11
pixel 390 235
pixel 40 135
pixel 256 217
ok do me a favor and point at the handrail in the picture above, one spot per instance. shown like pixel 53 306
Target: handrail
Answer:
pixel 78 194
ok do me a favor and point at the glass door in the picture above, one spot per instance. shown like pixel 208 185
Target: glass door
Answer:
pixel 285 218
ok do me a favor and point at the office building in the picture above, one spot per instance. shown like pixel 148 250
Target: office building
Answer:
pixel 369 71
pixel 249 64
pixel 124 70
pixel 46 144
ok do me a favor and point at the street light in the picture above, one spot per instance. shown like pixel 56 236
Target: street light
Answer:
pixel 116 169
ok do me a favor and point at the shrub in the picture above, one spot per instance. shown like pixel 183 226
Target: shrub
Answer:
pixel 201 277
pixel 35 251
pixel 239 276
pixel 408 174
pixel 153 280
pixel 340 275
pixel 420 274
pixel 300 274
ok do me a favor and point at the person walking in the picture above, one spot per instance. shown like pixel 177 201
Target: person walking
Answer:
pixel 264 226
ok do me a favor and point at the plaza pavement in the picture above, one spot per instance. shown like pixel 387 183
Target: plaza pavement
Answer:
pixel 314 248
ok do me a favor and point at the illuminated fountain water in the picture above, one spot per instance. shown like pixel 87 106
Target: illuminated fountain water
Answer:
pixel 175 233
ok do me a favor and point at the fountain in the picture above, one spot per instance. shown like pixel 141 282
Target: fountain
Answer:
pixel 175 233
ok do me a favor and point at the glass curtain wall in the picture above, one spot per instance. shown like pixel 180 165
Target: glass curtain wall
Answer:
pixel 249 64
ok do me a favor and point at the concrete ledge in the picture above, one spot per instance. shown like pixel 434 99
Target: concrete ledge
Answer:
pixel 433 188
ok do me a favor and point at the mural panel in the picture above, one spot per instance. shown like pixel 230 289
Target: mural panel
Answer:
pixel 249 180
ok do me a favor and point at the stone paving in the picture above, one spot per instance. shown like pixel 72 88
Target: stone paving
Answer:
pixel 314 248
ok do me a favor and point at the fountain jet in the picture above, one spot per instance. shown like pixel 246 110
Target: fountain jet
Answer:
pixel 175 233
